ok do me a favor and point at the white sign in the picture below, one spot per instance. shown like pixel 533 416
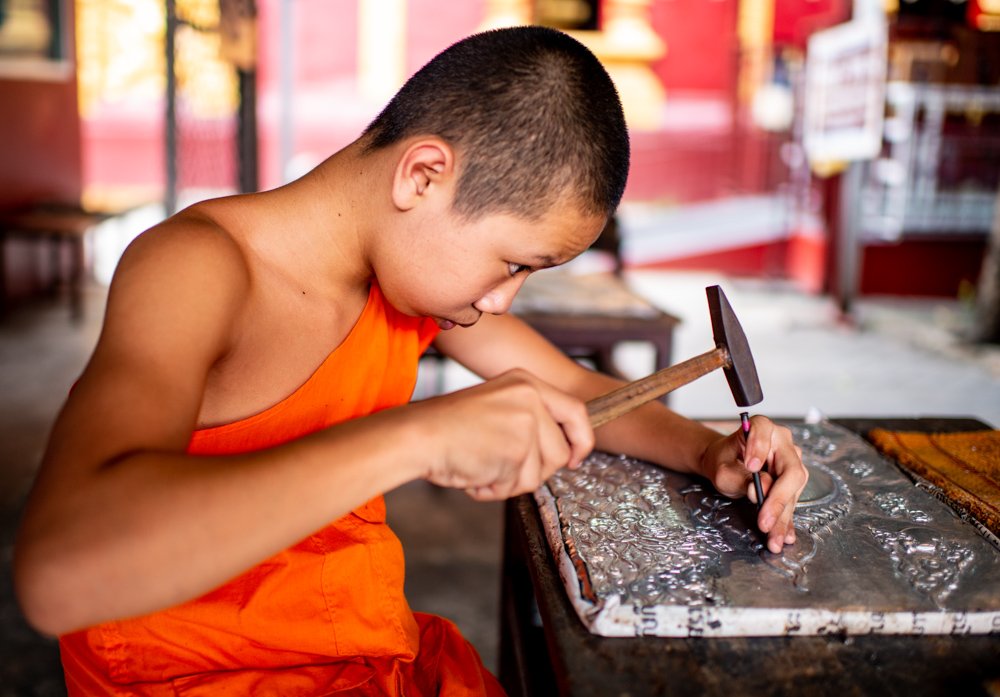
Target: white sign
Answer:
pixel 845 92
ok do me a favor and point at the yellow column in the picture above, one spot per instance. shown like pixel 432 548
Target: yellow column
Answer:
pixel 755 28
pixel 628 46
pixel 508 13
pixel 381 47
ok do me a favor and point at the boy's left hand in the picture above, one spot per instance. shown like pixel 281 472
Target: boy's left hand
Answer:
pixel 729 464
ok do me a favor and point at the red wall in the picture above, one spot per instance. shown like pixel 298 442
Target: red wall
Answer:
pixel 39 161
pixel 930 267
pixel 795 20
pixel 39 142
pixel 701 43
pixel 40 135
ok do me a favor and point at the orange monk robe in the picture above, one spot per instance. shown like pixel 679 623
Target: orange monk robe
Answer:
pixel 324 616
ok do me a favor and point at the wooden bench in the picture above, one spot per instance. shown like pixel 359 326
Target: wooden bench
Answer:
pixel 54 228
pixel 587 316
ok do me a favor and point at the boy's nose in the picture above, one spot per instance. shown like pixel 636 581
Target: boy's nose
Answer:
pixel 498 299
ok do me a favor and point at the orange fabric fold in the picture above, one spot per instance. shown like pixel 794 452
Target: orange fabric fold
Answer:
pixel 325 616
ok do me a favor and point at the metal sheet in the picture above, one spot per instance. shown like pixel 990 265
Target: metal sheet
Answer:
pixel 645 551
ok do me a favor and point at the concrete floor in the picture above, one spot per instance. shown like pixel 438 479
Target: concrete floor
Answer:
pixel 901 358
pixel 41 353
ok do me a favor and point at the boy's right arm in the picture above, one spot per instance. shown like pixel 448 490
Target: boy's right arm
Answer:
pixel 122 522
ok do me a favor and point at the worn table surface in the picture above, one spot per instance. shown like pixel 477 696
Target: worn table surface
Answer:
pixel 587 316
pixel 564 658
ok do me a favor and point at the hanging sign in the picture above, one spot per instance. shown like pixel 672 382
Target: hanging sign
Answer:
pixel 845 92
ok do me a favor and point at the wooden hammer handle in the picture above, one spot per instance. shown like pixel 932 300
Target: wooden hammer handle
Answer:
pixel 621 401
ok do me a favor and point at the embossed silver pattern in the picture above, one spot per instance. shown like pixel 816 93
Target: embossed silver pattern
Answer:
pixel 930 562
pixel 896 506
pixel 648 551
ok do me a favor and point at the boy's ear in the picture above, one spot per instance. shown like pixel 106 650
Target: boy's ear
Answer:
pixel 424 167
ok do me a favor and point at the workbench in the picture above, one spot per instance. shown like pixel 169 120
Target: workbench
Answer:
pixel 546 650
pixel 588 316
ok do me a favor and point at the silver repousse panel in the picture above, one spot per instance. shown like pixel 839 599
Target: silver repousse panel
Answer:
pixel 648 551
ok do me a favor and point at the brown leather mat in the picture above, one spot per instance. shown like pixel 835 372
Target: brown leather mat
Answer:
pixel 965 466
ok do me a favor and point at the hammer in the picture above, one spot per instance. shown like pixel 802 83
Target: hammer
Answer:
pixel 731 353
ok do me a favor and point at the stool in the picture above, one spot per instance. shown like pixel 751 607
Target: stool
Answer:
pixel 53 227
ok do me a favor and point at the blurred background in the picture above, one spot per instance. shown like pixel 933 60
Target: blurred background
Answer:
pixel 836 165
pixel 741 161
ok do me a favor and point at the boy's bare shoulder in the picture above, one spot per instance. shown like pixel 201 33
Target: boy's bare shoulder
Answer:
pixel 191 237
pixel 187 276
pixel 190 250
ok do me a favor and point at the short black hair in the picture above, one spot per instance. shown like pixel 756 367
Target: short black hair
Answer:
pixel 533 115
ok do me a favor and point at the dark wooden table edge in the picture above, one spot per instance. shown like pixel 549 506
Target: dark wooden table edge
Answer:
pixel 558 655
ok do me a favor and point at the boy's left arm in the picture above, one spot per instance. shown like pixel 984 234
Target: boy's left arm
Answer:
pixel 652 432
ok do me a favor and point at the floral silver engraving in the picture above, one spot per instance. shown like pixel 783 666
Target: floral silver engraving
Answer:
pixel 647 551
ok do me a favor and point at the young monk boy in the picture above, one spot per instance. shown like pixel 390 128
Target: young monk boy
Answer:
pixel 208 519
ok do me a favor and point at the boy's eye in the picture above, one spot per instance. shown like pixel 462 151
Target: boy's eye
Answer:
pixel 517 268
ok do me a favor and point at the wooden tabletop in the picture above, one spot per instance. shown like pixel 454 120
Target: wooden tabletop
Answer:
pixel 588 315
pixel 561 657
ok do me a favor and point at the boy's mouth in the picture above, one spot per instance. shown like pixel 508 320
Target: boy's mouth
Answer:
pixel 446 324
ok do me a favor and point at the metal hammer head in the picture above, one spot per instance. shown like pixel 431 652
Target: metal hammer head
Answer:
pixel 741 371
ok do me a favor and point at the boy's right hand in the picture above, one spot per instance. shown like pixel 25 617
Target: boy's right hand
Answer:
pixel 506 436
